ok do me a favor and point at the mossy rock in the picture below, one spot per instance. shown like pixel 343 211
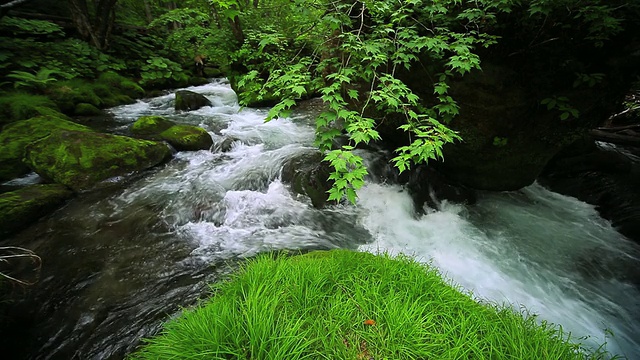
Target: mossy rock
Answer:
pixel 211 72
pixel 45 111
pixel 197 81
pixel 116 100
pixel 21 106
pixel 67 94
pixel 15 137
pixel 79 160
pixel 181 137
pixel 308 175
pixel 131 89
pixel 189 100
pixel 124 99
pixel 84 109
pixel 103 90
pixel 111 78
pixel 187 138
pixel 125 86
pixel 151 125
pixel 21 207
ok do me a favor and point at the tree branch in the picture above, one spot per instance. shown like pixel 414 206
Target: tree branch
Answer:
pixel 13 4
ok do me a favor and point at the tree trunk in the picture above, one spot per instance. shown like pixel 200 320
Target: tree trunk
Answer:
pixel 96 30
pixel 174 25
pixel 147 11
pixel 236 29
pixel 105 18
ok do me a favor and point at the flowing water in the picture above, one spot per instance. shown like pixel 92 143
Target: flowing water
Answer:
pixel 120 260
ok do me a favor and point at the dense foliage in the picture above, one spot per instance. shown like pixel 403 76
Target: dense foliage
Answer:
pixel 356 55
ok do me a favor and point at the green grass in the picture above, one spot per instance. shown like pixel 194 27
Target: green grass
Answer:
pixel 316 306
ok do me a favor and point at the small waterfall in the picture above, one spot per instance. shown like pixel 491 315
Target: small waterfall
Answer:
pixel 533 248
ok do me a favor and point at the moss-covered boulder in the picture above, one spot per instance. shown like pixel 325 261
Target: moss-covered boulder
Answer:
pixel 67 94
pixel 189 100
pixel 181 137
pixel 80 159
pixel 187 138
pixel 84 109
pixel 21 207
pixel 16 136
pixel 309 175
pixel 125 86
pixel 151 125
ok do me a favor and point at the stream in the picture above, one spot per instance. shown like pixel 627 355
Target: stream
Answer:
pixel 123 258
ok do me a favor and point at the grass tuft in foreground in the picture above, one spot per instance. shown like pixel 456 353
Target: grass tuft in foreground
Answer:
pixel 351 305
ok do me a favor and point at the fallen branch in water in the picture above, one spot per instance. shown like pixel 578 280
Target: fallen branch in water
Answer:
pixel 13 253
pixel 615 138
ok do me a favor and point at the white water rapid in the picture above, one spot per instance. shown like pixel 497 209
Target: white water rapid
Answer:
pixel 154 237
pixel 533 248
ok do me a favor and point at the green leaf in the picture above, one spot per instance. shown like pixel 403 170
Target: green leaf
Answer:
pixel 351 195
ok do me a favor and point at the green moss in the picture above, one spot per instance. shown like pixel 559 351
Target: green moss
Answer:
pixel 103 90
pixel 21 106
pixel 350 305
pixel 115 100
pixel 131 89
pixel 45 111
pixel 21 207
pixel 111 78
pixel 124 99
pixel 151 125
pixel 83 109
pixel 80 160
pixel 15 137
pixel 187 138
pixel 67 94
pixel 125 86
pixel 181 137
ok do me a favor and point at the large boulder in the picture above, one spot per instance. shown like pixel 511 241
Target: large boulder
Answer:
pixel 189 100
pixel 603 176
pixel 16 136
pixel 428 187
pixel 20 207
pixel 309 175
pixel 81 159
pixel 508 136
pixel 187 138
pixel 151 125
pixel 181 137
